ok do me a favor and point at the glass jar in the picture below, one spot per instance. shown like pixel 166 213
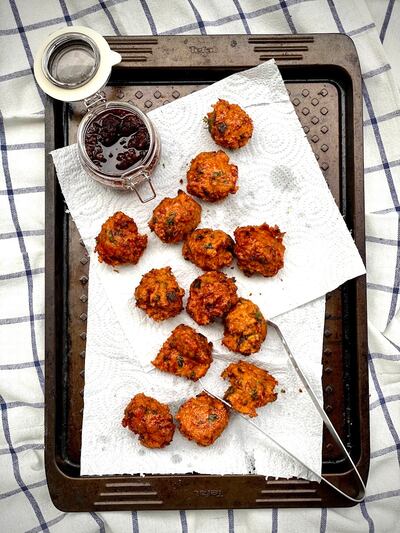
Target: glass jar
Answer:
pixel 118 145
pixel 103 166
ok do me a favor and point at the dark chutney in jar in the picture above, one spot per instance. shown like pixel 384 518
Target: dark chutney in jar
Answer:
pixel 117 140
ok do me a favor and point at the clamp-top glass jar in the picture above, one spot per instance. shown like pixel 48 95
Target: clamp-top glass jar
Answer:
pixel 118 145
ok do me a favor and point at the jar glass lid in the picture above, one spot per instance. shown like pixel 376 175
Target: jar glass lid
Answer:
pixel 71 60
pixel 74 63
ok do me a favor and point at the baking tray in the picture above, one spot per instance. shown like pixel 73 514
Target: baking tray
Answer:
pixel 322 75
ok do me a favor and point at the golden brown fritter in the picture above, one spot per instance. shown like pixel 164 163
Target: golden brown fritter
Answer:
pixel 211 296
pixel 245 328
pixel 259 249
pixel 202 419
pixel 211 177
pixel 159 294
pixel 119 241
pixel 149 419
pixel 230 126
pixel 174 218
pixel 251 387
pixel 185 353
pixel 209 249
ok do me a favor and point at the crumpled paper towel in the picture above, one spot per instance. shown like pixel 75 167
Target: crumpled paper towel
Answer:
pixel 111 380
pixel 280 183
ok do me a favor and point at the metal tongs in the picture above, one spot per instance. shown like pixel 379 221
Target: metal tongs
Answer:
pixel 321 412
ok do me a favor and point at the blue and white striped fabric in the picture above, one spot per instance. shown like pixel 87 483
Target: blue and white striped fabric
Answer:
pixel 373 24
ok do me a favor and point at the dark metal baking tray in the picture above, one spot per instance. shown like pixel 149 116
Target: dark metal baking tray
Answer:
pixel 323 78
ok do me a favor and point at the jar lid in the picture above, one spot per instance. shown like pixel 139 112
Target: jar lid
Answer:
pixel 74 63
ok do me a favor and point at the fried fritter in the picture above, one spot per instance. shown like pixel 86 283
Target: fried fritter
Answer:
pixel 211 296
pixel 230 126
pixel 209 249
pixel 251 387
pixel 211 177
pixel 159 294
pixel 202 419
pixel 174 218
pixel 119 241
pixel 149 419
pixel 185 353
pixel 245 328
pixel 259 249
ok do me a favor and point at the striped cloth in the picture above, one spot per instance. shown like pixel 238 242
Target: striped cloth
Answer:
pixel 373 24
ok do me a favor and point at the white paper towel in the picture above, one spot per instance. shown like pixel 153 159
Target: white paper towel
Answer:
pixel 111 380
pixel 280 183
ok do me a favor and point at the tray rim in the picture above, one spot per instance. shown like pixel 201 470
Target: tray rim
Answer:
pixel 83 490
